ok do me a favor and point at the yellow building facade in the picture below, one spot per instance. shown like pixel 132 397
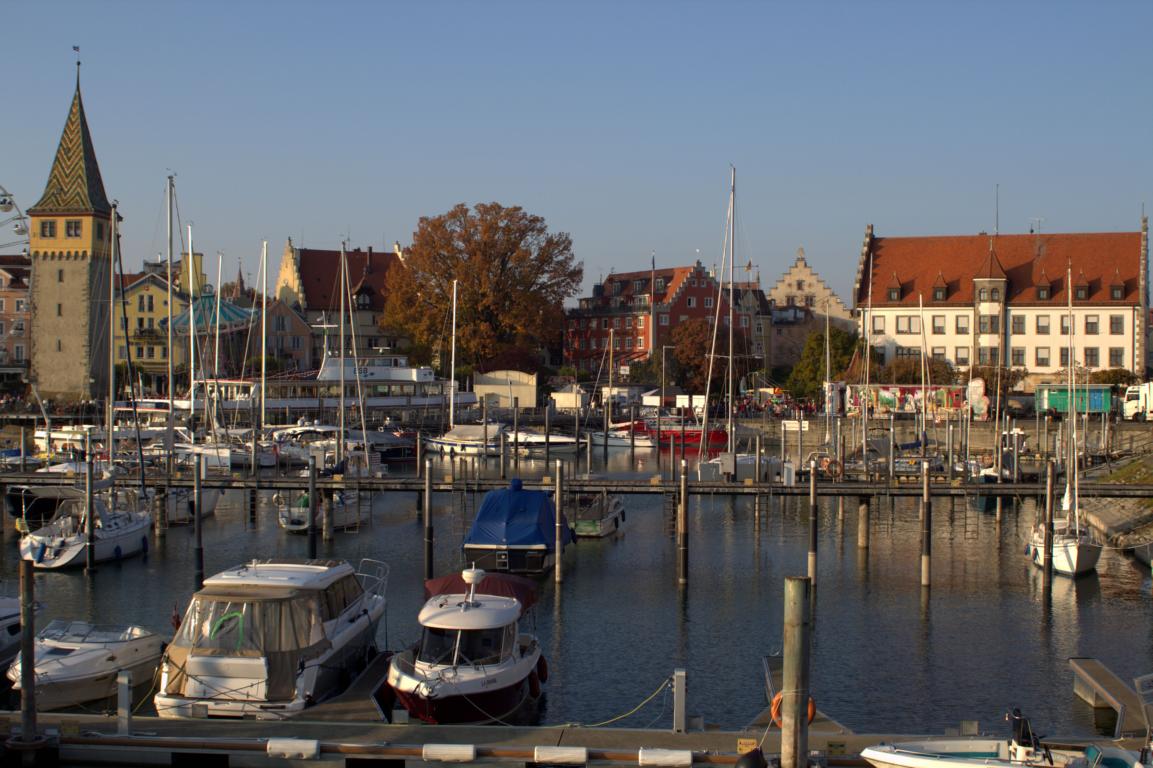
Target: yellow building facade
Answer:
pixel 143 309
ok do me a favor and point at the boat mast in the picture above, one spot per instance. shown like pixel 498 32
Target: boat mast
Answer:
pixel 112 336
pixel 170 426
pixel 732 300
pixel 863 400
pixel 1071 411
pixel 343 288
pixel 828 381
pixel 216 349
pixel 191 338
pixel 263 326
pixel 452 366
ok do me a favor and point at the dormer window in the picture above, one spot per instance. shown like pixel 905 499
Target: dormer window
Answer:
pixel 1081 292
pixel 995 294
pixel 894 294
pixel 983 294
pixel 938 294
pixel 1043 293
pixel 1117 292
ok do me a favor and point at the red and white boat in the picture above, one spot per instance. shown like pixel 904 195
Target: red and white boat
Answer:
pixel 472 664
pixel 672 433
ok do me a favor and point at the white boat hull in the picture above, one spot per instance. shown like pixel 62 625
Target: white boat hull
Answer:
pixel 1073 555
pixel 49 551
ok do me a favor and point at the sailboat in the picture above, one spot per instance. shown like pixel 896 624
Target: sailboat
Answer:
pixel 1075 550
pixel 730 464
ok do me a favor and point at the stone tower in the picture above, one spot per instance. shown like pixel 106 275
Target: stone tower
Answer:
pixel 70 244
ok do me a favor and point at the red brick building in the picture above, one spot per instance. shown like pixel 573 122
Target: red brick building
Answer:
pixel 15 273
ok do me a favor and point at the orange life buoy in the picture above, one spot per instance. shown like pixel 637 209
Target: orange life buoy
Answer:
pixel 775 709
pixel 542 669
pixel 534 684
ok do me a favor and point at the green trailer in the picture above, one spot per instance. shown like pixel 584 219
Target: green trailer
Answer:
pixel 1088 398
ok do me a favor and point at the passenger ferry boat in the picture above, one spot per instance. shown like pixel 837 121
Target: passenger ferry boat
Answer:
pixel 269 638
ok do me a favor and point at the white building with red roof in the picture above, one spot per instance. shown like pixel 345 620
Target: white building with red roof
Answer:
pixel 1003 299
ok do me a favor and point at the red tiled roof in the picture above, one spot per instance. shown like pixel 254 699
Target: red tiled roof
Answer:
pixel 916 261
pixel 320 276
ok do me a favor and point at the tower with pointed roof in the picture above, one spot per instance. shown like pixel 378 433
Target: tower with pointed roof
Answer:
pixel 70 246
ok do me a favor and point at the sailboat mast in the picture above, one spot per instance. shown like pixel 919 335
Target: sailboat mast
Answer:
pixel 263 326
pixel 343 288
pixel 1071 408
pixel 216 349
pixel 112 334
pixel 171 421
pixel 191 336
pixel 863 400
pixel 452 366
pixel 732 299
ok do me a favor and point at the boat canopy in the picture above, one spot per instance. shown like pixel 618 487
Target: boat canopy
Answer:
pixel 514 517
pixel 499 584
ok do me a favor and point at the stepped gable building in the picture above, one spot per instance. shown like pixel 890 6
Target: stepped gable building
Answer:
pixel 801 286
pixel 309 282
pixel 70 243
pixel 1002 299
pixel 640 309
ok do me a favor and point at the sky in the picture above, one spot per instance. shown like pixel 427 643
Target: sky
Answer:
pixel 617 122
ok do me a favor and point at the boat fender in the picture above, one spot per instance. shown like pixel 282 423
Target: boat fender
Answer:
pixel 41 552
pixel 117 553
pixel 775 709
pixel 542 669
pixel 622 515
pixel 534 685
pixel 144 544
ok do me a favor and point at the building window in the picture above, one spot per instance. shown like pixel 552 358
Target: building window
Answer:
pixel 60 275
pixel 59 345
pixel 139 352
pixel 708 302
pixel 744 321
pixel 628 322
pixel 1091 324
pixel 1042 293
pixel 139 323
pixel 1092 359
pixel 938 353
pixel 961 355
pixel 1041 357
pixel 983 294
pixel 1042 325
pixel 664 320
pixel 810 300
pixel 1018 322
pixel 48 228
pixel 988 355
pixel 800 285
pixel 878 323
pixel 151 305
pixel 616 288
pixel 1064 357
pixel 592 343
pixel 638 286
pixel 616 343
pixel 640 342
pixel 907 324
pixel 908 351
pixel 1064 325
pixel 938 294
pixel 629 343
pixel 989 324
pixel 72 228
pixel 962 325
pixel 616 323
pixel 604 323
pixel 790 301
pixel 691 302
pixel 1118 293
pixel 1116 324
pixel 1081 292
pixel 140 303
pixel 60 310
pixel 1116 357
pixel 18 353
pixel 151 353
pixel 938 324
pixel 660 283
pixel 19 305
pixel 894 294
pixel 1017 356
pixel 640 322
pixel 123 353
pixel 995 294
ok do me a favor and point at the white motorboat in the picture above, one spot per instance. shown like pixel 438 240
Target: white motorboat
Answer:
pixel 269 638
pixel 532 442
pixel 598 515
pixel 620 438
pixel 78 662
pixel 9 629
pixel 472 663
pixel 63 541
pixel 467 440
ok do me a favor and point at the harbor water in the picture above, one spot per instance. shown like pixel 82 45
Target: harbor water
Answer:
pixel 888 656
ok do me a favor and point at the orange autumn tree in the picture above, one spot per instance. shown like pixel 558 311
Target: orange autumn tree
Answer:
pixel 513 277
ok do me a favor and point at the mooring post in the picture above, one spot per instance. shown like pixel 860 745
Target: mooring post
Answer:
pixel 516 435
pixel 1047 555
pixel 795 675
pixel 680 703
pixel 547 430
pixel 632 432
pixel 813 521
pixel 27 651
pixel 926 527
pixel 683 527
pixel 197 505
pixel 892 447
pixel 862 522
pixel 160 511
pixel 558 544
pixel 950 468
pixel 24 451
pixel 89 509
pixel 124 702
pixel 326 516
pixel 760 448
pixel 312 507
pixel 428 532
pixel 503 455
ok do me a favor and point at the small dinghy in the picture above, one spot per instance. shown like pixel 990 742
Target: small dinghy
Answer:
pixel 78 662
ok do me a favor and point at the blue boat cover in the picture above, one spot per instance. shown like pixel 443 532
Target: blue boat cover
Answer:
pixel 515 517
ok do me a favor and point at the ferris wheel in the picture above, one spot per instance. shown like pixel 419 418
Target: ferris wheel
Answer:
pixel 13 225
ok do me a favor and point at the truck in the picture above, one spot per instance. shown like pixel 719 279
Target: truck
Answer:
pixel 1138 402
pixel 1053 399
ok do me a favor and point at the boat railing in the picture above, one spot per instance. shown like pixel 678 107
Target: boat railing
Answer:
pixel 373 576
pixel 83 632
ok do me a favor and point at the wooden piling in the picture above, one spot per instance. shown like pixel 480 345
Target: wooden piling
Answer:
pixel 503 455
pixel 24 451
pixel 683 527
pixel 892 447
pixel 428 531
pixel 197 502
pixel 949 436
pixel 27 651
pixel 862 522
pixel 547 431
pixel 312 507
pixel 516 435
pixel 795 675
pixel 926 528
pixel 1047 555
pixel 558 544
pixel 89 511
pixel 326 516
pixel 813 521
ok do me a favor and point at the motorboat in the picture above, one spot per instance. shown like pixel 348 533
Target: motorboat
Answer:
pixel 620 438
pixel 63 541
pixel 472 663
pixel 9 629
pixel 77 662
pixel 468 440
pixel 292 509
pixel 598 515
pixel 266 639
pixel 515 531
pixel 738 467
pixel 532 442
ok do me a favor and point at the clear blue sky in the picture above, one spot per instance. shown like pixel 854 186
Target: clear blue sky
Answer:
pixel 615 121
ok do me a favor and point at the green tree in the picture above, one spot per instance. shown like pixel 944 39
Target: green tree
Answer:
pixel 907 370
pixel 692 342
pixel 513 277
pixel 1118 377
pixel 808 375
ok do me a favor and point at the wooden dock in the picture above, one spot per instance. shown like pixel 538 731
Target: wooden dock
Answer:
pixel 1101 688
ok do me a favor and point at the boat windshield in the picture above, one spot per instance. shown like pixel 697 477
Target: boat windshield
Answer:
pixel 474 647
pixel 227 626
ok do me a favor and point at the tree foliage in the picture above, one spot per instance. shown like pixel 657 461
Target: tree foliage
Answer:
pixel 907 370
pixel 513 277
pixel 1009 378
pixel 808 375
pixel 1115 376
pixel 693 340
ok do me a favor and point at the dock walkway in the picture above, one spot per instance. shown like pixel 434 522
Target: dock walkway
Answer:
pixel 1101 688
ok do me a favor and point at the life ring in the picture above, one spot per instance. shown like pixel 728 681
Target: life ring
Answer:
pixel 542 669
pixel 775 709
pixel 834 468
pixel 534 685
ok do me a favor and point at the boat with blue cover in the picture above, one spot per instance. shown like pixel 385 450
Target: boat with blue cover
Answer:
pixel 515 531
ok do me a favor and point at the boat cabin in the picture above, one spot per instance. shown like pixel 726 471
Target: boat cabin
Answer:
pixel 460 633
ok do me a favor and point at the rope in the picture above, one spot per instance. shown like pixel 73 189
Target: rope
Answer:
pixel 665 685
